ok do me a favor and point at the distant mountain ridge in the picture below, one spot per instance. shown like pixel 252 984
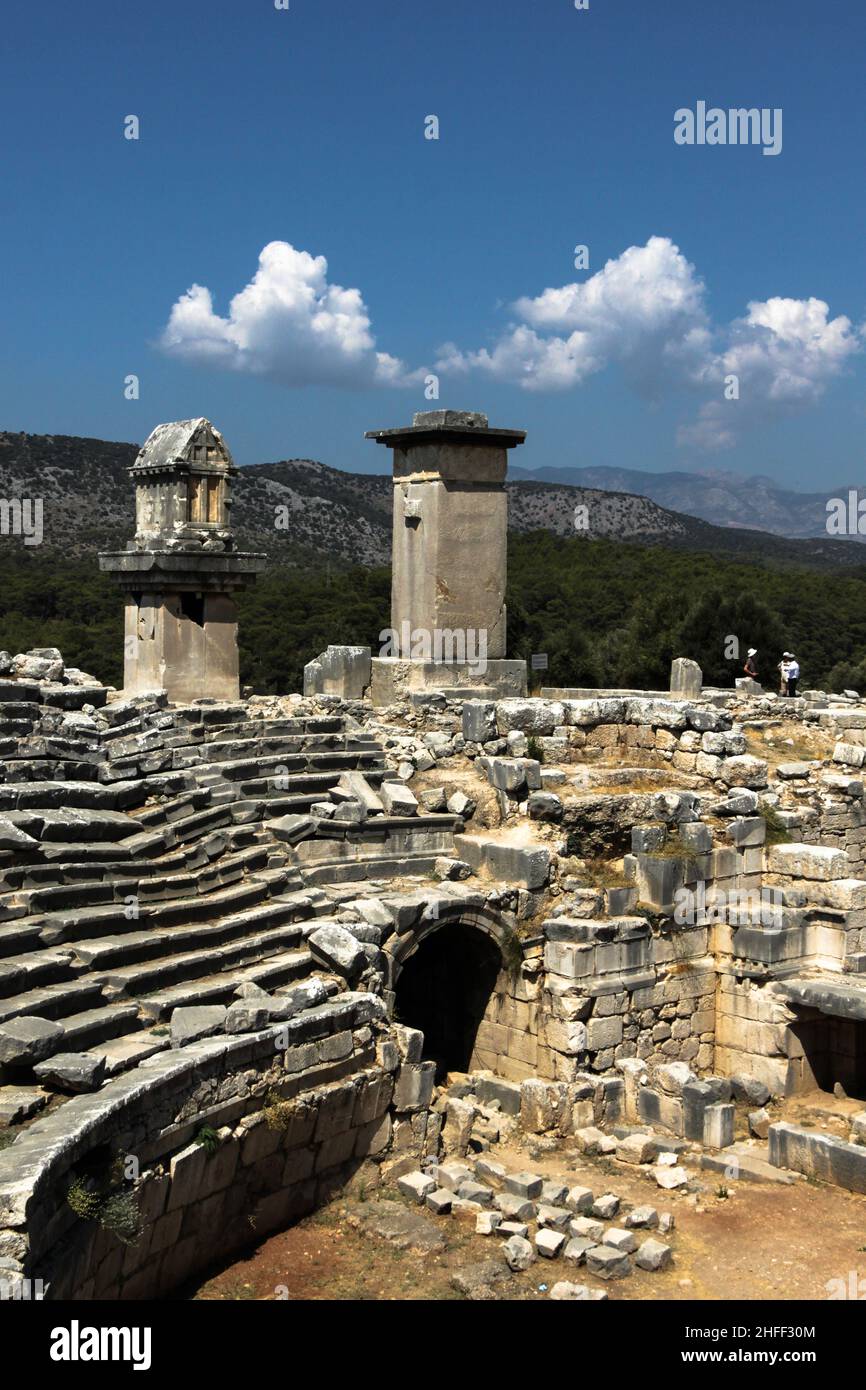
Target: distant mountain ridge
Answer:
pixel 721 498
pixel 304 513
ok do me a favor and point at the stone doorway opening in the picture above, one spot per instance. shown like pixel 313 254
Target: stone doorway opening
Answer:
pixel 446 988
pixel 825 1050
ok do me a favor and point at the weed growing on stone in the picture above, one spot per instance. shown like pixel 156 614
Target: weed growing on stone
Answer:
pixel 777 834
pixel 105 1199
pixel 277 1111
pixel 208 1139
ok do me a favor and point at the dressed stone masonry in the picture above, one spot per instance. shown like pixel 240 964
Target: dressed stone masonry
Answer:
pixel 180 573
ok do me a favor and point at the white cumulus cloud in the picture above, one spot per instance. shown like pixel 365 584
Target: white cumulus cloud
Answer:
pixel 290 324
pixel 645 313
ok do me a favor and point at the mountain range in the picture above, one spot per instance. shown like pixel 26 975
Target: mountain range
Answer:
pixel 304 513
pixel 720 497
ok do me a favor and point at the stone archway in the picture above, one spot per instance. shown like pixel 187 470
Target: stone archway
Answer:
pixel 453 979
pixel 445 989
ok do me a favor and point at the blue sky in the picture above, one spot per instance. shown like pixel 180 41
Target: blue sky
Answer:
pixel 305 127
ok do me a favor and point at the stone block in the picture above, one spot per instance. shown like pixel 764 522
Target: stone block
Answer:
pixel 607 1263
pixel 653 1255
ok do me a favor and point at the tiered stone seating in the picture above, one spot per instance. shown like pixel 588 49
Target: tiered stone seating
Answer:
pixel 141 868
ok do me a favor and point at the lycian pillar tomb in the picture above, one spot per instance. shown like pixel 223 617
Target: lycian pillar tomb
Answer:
pixel 180 573
pixel 450 524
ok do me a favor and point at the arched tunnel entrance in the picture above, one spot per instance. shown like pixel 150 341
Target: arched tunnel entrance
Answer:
pixel 445 989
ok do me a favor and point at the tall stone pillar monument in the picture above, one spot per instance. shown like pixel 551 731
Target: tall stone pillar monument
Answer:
pixel 180 572
pixel 449 557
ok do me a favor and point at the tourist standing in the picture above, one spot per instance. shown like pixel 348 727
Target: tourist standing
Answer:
pixel 793 675
pixel 751 668
pixel 783 673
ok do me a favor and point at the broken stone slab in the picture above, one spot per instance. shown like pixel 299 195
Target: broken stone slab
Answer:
pixel 414 1086
pixel 336 948
pixel 291 829
pixel 491 1172
pixel 518 1252
pixel 72 1071
pixel 191 1022
pixel 356 787
pixel 398 800
pixel 351 812
pixel 670 1178
pixel 488 1222
pixel 527 866
pixel 642 1216
pixel 343 671
pixel 565 1292
pixel 19 1103
pixel 26 1040
pixel 507 1094
pixel 248 1016
pixel 653 1255
pixel 403 1227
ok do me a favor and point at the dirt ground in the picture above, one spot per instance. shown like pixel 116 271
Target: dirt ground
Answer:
pixel 763 1241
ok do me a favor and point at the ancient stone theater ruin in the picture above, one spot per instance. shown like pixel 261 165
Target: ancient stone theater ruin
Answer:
pixel 257 952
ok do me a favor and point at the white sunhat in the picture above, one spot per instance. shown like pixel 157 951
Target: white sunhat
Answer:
pixel 753 651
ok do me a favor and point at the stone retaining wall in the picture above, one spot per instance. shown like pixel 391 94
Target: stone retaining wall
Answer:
pixel 291 1127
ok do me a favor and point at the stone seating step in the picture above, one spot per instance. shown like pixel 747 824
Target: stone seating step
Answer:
pixel 247 769
pixel 126 1051
pixel 290 745
pixel 29 769
pixel 315 785
pixel 55 1001
pixel 180 806
pixel 351 871
pixel 196 855
pixel 81 1032
pixel 219 987
pixel 133 948
pixel 116 796
pixel 32 966
pixel 63 824
pixel 80 924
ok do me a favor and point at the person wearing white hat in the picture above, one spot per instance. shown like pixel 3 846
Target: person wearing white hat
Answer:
pixel 792 675
pixel 750 667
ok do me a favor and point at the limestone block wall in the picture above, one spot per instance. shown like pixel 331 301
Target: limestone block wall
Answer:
pixel 615 990
pixel 290 1128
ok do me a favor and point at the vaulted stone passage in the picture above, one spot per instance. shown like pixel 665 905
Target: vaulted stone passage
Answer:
pixel 824 1051
pixel 445 989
